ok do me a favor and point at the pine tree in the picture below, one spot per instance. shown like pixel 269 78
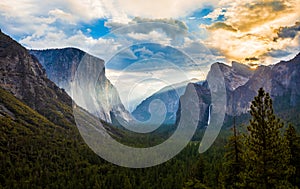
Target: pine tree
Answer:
pixel 234 163
pixel 294 145
pixel 198 170
pixel 267 155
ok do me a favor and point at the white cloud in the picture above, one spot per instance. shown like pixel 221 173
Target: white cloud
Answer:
pixel 214 15
pixel 60 14
pixel 102 48
pixel 119 11
pixel 152 36
pixel 25 16
pixel 154 8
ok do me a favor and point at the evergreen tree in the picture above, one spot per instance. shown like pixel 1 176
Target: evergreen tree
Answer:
pixel 267 155
pixel 198 169
pixel 197 175
pixel 233 159
pixel 294 145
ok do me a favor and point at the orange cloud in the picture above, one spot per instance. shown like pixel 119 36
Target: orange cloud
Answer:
pixel 254 28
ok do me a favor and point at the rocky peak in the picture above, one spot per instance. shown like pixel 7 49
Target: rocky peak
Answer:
pixel 242 69
pixel 234 76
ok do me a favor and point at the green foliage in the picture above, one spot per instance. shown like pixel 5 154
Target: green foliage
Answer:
pixel 234 163
pixel 267 154
pixel 294 145
pixel 36 153
pixel 194 184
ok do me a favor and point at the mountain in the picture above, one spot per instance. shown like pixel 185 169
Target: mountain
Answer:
pixel 40 145
pixel 281 80
pixel 170 96
pixel 23 76
pixel 61 66
pixel 234 76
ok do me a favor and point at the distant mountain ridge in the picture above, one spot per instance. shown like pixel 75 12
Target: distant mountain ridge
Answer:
pixel 281 80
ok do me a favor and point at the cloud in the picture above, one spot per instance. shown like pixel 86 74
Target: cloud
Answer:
pixel 250 28
pixel 144 29
pixel 252 59
pixel 57 23
pixel 176 23
pixel 81 10
pixel 60 14
pixel 214 15
pixel 58 39
pixel 255 28
pixel 222 25
pixel 155 9
pixel 247 15
pixel 278 53
pixel 152 36
pixel 25 17
pixel 289 31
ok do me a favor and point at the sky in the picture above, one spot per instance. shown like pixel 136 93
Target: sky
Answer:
pixel 137 38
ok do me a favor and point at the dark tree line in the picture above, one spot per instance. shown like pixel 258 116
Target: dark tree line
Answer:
pixel 266 156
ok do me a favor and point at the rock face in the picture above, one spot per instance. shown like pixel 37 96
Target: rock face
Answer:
pixel 234 76
pixel 61 66
pixel 23 76
pixel 203 102
pixel 281 80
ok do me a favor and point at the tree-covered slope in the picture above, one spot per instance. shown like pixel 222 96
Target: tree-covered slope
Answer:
pixel 36 152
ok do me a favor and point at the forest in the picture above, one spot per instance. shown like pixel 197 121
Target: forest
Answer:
pixel 36 153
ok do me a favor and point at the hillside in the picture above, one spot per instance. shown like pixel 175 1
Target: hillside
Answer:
pixel 36 152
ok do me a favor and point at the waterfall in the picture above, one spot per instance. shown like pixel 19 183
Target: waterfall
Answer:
pixel 209 111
